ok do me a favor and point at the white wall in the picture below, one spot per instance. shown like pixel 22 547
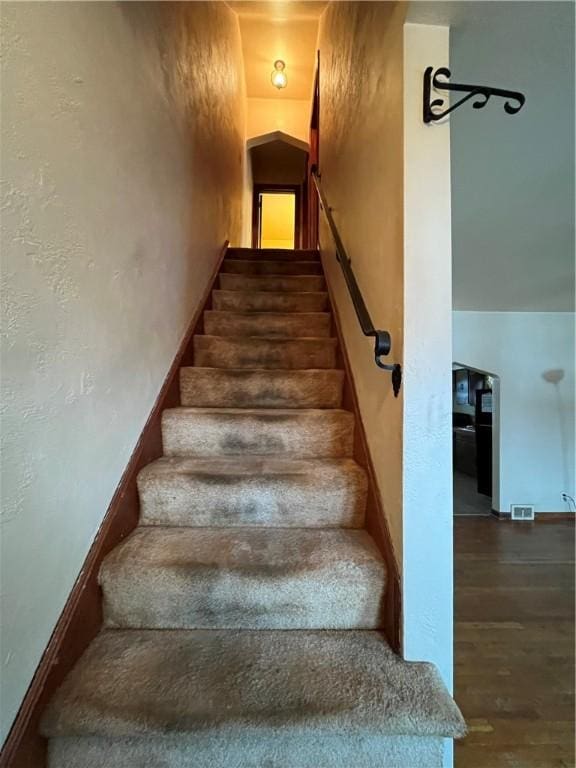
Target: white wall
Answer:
pixel 536 417
pixel 513 176
pixel 513 237
pixel 427 423
pixel 121 178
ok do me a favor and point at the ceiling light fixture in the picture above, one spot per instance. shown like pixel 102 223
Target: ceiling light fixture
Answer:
pixel 278 77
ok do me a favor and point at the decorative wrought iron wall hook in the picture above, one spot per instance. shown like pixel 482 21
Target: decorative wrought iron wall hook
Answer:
pixel 482 92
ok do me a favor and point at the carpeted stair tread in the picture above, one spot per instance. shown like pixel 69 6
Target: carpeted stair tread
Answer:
pixel 255 352
pixel 284 283
pixel 237 388
pixel 273 254
pixel 270 301
pixel 242 614
pixel 252 491
pixel 300 433
pixel 244 578
pixel 269 267
pixel 167 682
pixel 282 325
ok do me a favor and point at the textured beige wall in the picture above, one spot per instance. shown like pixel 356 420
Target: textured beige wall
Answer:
pixel 122 138
pixel 361 161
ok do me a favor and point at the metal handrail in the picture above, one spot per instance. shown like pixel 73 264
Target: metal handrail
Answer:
pixel 382 339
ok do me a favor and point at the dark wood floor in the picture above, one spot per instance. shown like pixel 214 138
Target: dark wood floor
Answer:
pixel 514 643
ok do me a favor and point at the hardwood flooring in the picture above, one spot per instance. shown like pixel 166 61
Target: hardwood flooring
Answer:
pixel 514 642
pixel 467 500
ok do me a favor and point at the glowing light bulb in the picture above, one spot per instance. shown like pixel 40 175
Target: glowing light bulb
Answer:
pixel 278 77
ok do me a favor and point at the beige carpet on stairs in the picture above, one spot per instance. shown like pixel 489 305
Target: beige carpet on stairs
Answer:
pixel 242 616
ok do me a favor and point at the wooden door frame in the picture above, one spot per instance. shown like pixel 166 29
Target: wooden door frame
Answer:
pixel 260 188
pixel 313 161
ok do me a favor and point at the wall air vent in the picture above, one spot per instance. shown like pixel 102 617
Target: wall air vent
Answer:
pixel 522 512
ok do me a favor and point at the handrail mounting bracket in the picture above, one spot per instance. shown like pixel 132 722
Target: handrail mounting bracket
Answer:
pixel 481 93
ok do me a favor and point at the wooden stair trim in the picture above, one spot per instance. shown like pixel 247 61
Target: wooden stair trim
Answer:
pixel 81 618
pixel 376 523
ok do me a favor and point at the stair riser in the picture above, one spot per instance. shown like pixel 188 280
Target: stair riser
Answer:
pixel 197 591
pixel 237 352
pixel 261 254
pixel 267 324
pixel 221 388
pixel 289 283
pixel 327 499
pixel 254 301
pixel 252 267
pixel 225 600
pixel 221 434
pixel 266 746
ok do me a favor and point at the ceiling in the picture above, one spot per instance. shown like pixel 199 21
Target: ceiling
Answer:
pixel 279 10
pixel 278 29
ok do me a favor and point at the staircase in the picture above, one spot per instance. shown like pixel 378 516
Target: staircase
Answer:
pixel 242 615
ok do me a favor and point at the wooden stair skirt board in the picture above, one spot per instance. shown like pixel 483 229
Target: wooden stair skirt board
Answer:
pixel 256 513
